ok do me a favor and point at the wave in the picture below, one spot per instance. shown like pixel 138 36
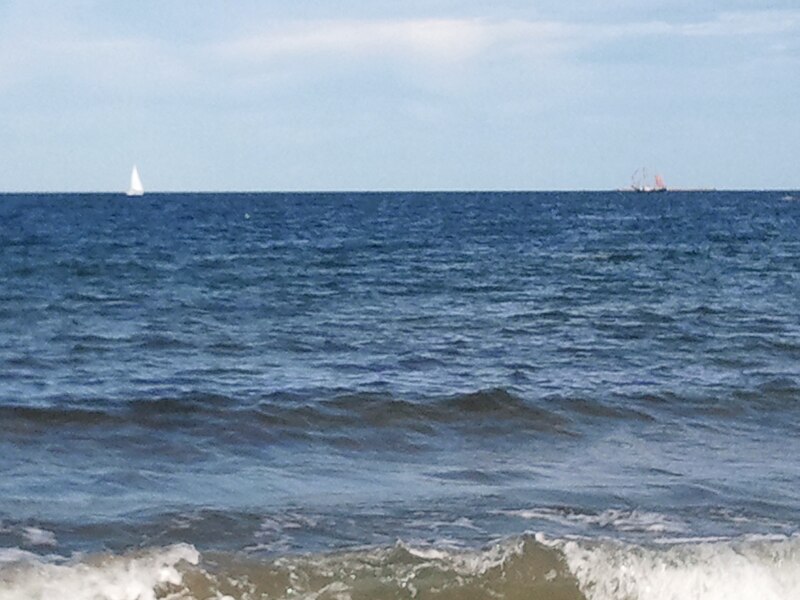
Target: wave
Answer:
pixel 764 569
pixel 531 566
pixel 318 413
pixel 292 414
pixel 11 417
pixel 147 575
pixel 483 408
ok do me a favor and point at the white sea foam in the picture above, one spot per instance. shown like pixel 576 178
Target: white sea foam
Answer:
pixel 620 520
pixel 39 537
pixel 743 570
pixel 129 577
pixel 15 555
pixel 467 562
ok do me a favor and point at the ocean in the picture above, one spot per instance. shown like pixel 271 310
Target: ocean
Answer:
pixel 566 396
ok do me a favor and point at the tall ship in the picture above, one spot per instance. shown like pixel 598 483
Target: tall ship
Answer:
pixel 641 183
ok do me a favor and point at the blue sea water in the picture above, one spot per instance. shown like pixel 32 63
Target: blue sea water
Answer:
pixel 432 395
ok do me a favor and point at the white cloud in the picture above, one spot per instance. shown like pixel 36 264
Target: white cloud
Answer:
pixel 66 50
pixel 459 40
pixel 437 39
pixel 745 24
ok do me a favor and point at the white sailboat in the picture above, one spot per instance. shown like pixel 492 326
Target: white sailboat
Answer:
pixel 136 188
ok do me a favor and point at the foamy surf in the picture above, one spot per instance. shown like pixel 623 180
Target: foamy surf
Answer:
pixel 754 569
pixel 148 575
pixel 527 567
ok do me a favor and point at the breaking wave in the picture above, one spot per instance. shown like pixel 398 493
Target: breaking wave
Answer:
pixel 526 567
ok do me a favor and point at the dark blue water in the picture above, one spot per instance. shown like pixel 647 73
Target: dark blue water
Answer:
pixel 283 374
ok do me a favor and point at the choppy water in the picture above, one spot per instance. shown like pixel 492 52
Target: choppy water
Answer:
pixel 402 395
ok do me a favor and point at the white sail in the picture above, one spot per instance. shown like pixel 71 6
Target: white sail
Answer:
pixel 136 188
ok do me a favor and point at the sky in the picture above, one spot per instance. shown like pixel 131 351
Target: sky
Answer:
pixel 268 95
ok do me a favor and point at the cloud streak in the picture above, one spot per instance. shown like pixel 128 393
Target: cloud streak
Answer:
pixel 66 52
pixel 441 40
pixel 450 40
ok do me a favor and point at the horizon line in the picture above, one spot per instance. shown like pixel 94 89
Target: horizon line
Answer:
pixel 398 191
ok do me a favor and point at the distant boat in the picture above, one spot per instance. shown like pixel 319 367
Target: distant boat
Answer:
pixel 136 188
pixel 640 183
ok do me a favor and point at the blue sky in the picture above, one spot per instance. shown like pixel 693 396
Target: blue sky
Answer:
pixel 440 94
